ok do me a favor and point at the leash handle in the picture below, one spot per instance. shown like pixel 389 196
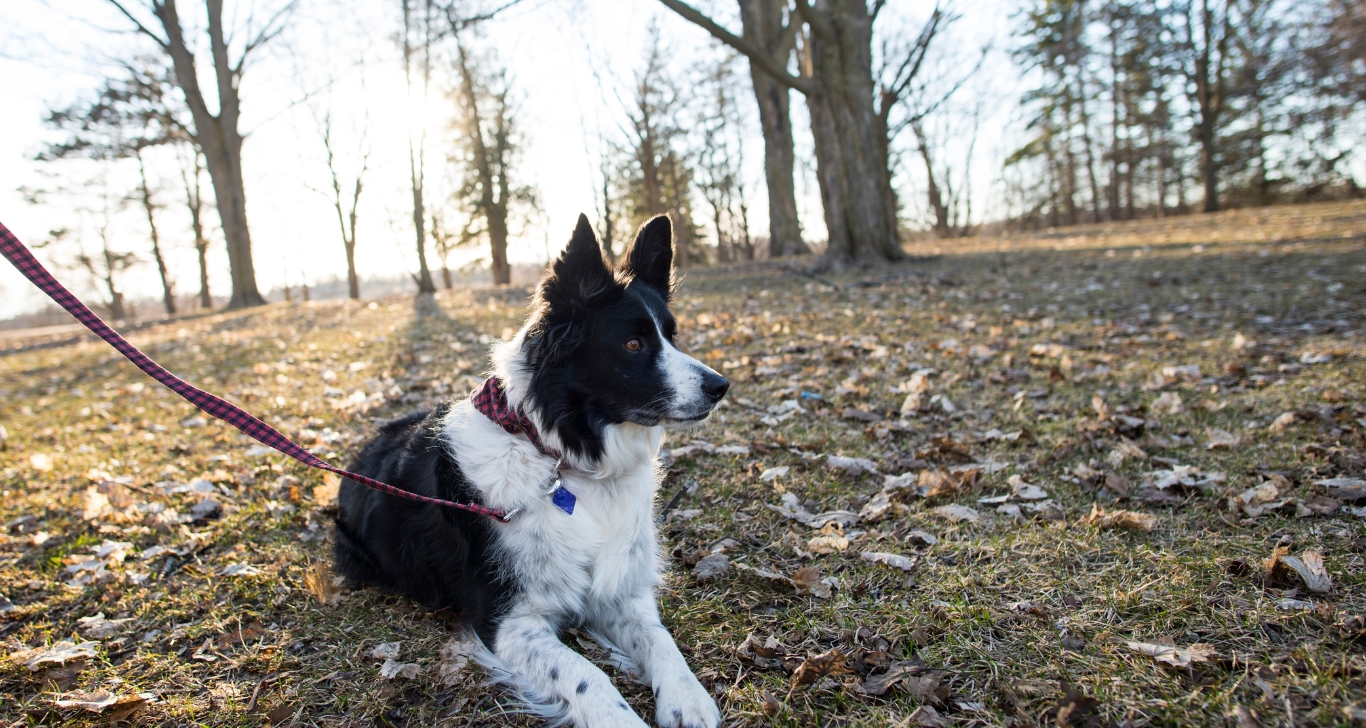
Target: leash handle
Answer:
pixel 21 258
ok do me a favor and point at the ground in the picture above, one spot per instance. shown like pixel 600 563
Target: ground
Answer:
pixel 1174 411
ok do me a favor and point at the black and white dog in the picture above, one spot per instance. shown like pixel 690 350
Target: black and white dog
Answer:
pixel 595 373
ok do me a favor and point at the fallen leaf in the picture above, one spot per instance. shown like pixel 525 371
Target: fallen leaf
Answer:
pixel 239 570
pixel 59 653
pixel 1169 404
pixel 816 667
pixel 393 669
pixel 896 561
pixel 926 717
pixel 792 508
pixel 1311 570
pixel 320 584
pixel 1120 519
pixel 850 466
pixel 280 714
pixel 711 566
pixel 100 701
pixel 1282 423
pixel 456 655
pixel 97 627
pixel 1025 491
pixel 772 706
pixel 1218 439
pixel 955 513
pixel 770 474
pixel 921 538
pixel 807 580
pixel 325 495
pixel 1165 650
pixel 830 541
pixel 41 461
pixel 386 650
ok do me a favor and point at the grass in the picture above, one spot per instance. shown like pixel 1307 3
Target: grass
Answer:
pixel 1007 621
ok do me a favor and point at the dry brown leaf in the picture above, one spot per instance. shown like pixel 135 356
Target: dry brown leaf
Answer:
pixel 830 540
pixel 1165 650
pixel 320 584
pixel 896 561
pixel 1221 439
pixel 1120 519
pixel 926 717
pixel 325 495
pixel 816 667
pixel 1311 570
pixel 807 580
pixel 955 513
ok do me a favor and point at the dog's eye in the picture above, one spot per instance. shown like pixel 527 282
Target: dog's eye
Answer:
pixel 634 345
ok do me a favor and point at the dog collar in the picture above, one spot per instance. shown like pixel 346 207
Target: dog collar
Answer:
pixel 492 402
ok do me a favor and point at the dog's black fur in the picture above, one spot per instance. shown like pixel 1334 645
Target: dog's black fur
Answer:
pixel 438 556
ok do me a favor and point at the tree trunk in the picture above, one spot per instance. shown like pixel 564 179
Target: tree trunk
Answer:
pixel 352 280
pixel 851 162
pixel 936 198
pixel 167 294
pixel 446 275
pixel 416 173
pixel 218 138
pixel 763 24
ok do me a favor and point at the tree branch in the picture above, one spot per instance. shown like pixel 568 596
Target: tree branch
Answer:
pixel 138 24
pixel 755 53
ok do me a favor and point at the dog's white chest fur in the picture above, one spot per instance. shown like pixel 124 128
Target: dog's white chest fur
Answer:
pixel 567 565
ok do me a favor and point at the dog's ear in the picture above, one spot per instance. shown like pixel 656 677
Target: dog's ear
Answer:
pixel 579 275
pixel 652 255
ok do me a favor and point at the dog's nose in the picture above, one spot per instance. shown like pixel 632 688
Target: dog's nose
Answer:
pixel 714 386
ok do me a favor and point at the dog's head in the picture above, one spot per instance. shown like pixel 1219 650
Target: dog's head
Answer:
pixel 599 346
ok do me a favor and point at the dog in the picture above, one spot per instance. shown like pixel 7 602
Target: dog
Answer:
pixel 564 437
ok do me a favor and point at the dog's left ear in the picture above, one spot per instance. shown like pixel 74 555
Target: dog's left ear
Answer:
pixel 652 255
pixel 580 274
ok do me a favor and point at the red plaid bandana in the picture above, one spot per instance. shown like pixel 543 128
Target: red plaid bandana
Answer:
pixel 492 402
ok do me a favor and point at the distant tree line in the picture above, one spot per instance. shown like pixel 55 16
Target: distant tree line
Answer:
pixel 1132 108
pixel 1161 107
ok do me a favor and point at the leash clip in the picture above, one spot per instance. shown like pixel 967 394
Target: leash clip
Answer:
pixel 555 483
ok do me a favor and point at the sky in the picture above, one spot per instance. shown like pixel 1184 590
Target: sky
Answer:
pixel 571 63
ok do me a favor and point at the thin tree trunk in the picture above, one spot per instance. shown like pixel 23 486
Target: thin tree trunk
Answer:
pixel 936 198
pixel 167 294
pixel 762 21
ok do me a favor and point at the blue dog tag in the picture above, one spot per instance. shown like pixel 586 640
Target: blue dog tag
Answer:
pixel 563 499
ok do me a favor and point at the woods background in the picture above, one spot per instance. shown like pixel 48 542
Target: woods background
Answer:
pixel 172 156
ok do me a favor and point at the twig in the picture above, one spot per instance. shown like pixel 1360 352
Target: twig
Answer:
pixel 688 487
pixel 256 692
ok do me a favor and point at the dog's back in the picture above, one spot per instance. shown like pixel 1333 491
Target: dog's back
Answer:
pixel 438 556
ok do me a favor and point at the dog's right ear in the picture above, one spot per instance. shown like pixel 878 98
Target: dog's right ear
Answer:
pixel 651 258
pixel 580 275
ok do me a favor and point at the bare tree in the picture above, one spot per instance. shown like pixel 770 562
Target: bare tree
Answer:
pixel 490 146
pixel 346 198
pixel 837 80
pixel 1208 31
pixel 194 202
pixel 721 164
pixel 216 135
pixel 417 39
pixel 144 195
pixel 128 116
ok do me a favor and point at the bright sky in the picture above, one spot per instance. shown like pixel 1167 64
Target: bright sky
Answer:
pixel 572 63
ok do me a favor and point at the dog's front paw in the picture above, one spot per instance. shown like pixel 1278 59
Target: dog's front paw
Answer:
pixel 685 704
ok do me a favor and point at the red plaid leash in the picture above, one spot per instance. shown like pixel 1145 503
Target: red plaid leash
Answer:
pixel 20 256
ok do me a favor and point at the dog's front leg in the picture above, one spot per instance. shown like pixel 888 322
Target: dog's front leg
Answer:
pixel 680 700
pixel 529 646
